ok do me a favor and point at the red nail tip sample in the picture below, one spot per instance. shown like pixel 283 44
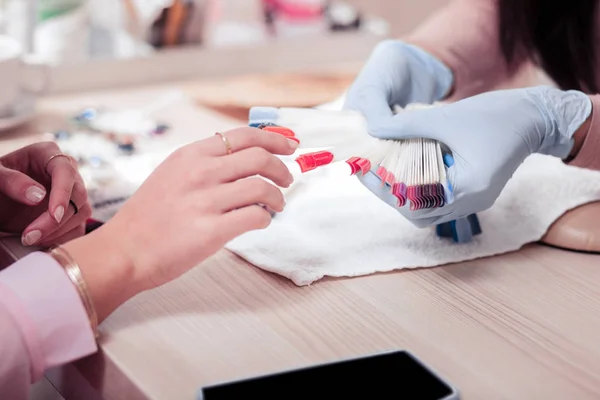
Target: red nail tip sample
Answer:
pixel 399 190
pixel 310 161
pixel 352 162
pixel 389 178
pixel 364 164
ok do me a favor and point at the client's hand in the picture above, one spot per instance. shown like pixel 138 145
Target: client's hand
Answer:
pixel 190 207
pixel 36 184
pixel 490 135
pixel 397 73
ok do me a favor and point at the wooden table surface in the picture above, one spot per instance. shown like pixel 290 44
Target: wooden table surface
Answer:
pixel 519 326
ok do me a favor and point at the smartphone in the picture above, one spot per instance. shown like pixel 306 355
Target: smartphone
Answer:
pixel 394 375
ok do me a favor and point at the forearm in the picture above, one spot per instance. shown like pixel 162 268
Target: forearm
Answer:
pixel 464 35
pixel 580 136
pixel 108 274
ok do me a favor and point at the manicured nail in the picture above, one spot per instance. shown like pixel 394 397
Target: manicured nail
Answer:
pixel 31 238
pixel 293 143
pixel 280 130
pixel 59 213
pixel 35 194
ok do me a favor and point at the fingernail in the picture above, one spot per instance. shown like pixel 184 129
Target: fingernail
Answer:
pixel 31 238
pixel 293 142
pixel 280 130
pixel 59 213
pixel 35 194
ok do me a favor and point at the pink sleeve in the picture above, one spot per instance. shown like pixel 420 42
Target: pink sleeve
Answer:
pixel 589 153
pixel 464 35
pixel 43 323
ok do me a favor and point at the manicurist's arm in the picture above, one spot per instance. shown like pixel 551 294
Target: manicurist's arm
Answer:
pixel 465 36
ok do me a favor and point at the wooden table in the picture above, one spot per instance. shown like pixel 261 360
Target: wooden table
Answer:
pixel 520 326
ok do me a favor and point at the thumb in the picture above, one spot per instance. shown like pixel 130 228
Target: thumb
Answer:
pixel 20 187
pixel 399 126
pixel 371 101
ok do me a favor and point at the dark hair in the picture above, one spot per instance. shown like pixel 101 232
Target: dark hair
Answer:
pixel 558 35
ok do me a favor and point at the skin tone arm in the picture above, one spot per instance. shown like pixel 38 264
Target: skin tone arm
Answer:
pixel 579 136
pixel 190 207
pixel 108 272
pixel 202 196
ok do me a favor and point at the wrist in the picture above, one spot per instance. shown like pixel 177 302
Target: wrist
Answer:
pixel 107 271
pixel 567 117
pixel 580 135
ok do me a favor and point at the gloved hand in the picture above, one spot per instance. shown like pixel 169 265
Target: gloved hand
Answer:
pixel 489 135
pixel 397 74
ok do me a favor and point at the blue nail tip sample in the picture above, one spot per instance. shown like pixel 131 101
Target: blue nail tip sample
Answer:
pixel 448 160
pixel 263 114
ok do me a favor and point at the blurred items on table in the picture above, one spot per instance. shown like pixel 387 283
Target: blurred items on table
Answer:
pixel 62 31
pixel 116 149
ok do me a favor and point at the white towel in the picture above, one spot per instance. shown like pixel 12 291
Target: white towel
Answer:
pixel 333 226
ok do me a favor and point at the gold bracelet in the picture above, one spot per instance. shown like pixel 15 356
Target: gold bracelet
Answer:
pixel 74 273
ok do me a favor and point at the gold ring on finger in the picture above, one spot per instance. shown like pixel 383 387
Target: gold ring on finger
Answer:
pixel 56 156
pixel 228 148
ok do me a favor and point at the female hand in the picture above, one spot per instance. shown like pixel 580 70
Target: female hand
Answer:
pixel 36 184
pixel 196 201
pixel 489 135
pixel 397 73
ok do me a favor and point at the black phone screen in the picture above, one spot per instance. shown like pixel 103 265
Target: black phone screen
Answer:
pixel 396 375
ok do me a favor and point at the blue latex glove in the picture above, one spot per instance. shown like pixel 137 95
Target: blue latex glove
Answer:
pixel 397 74
pixel 489 135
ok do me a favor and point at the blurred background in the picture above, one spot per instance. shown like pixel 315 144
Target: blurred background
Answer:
pixel 168 65
pixel 67 31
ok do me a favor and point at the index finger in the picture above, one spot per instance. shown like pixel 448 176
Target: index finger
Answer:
pixel 243 138
pixel 63 175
